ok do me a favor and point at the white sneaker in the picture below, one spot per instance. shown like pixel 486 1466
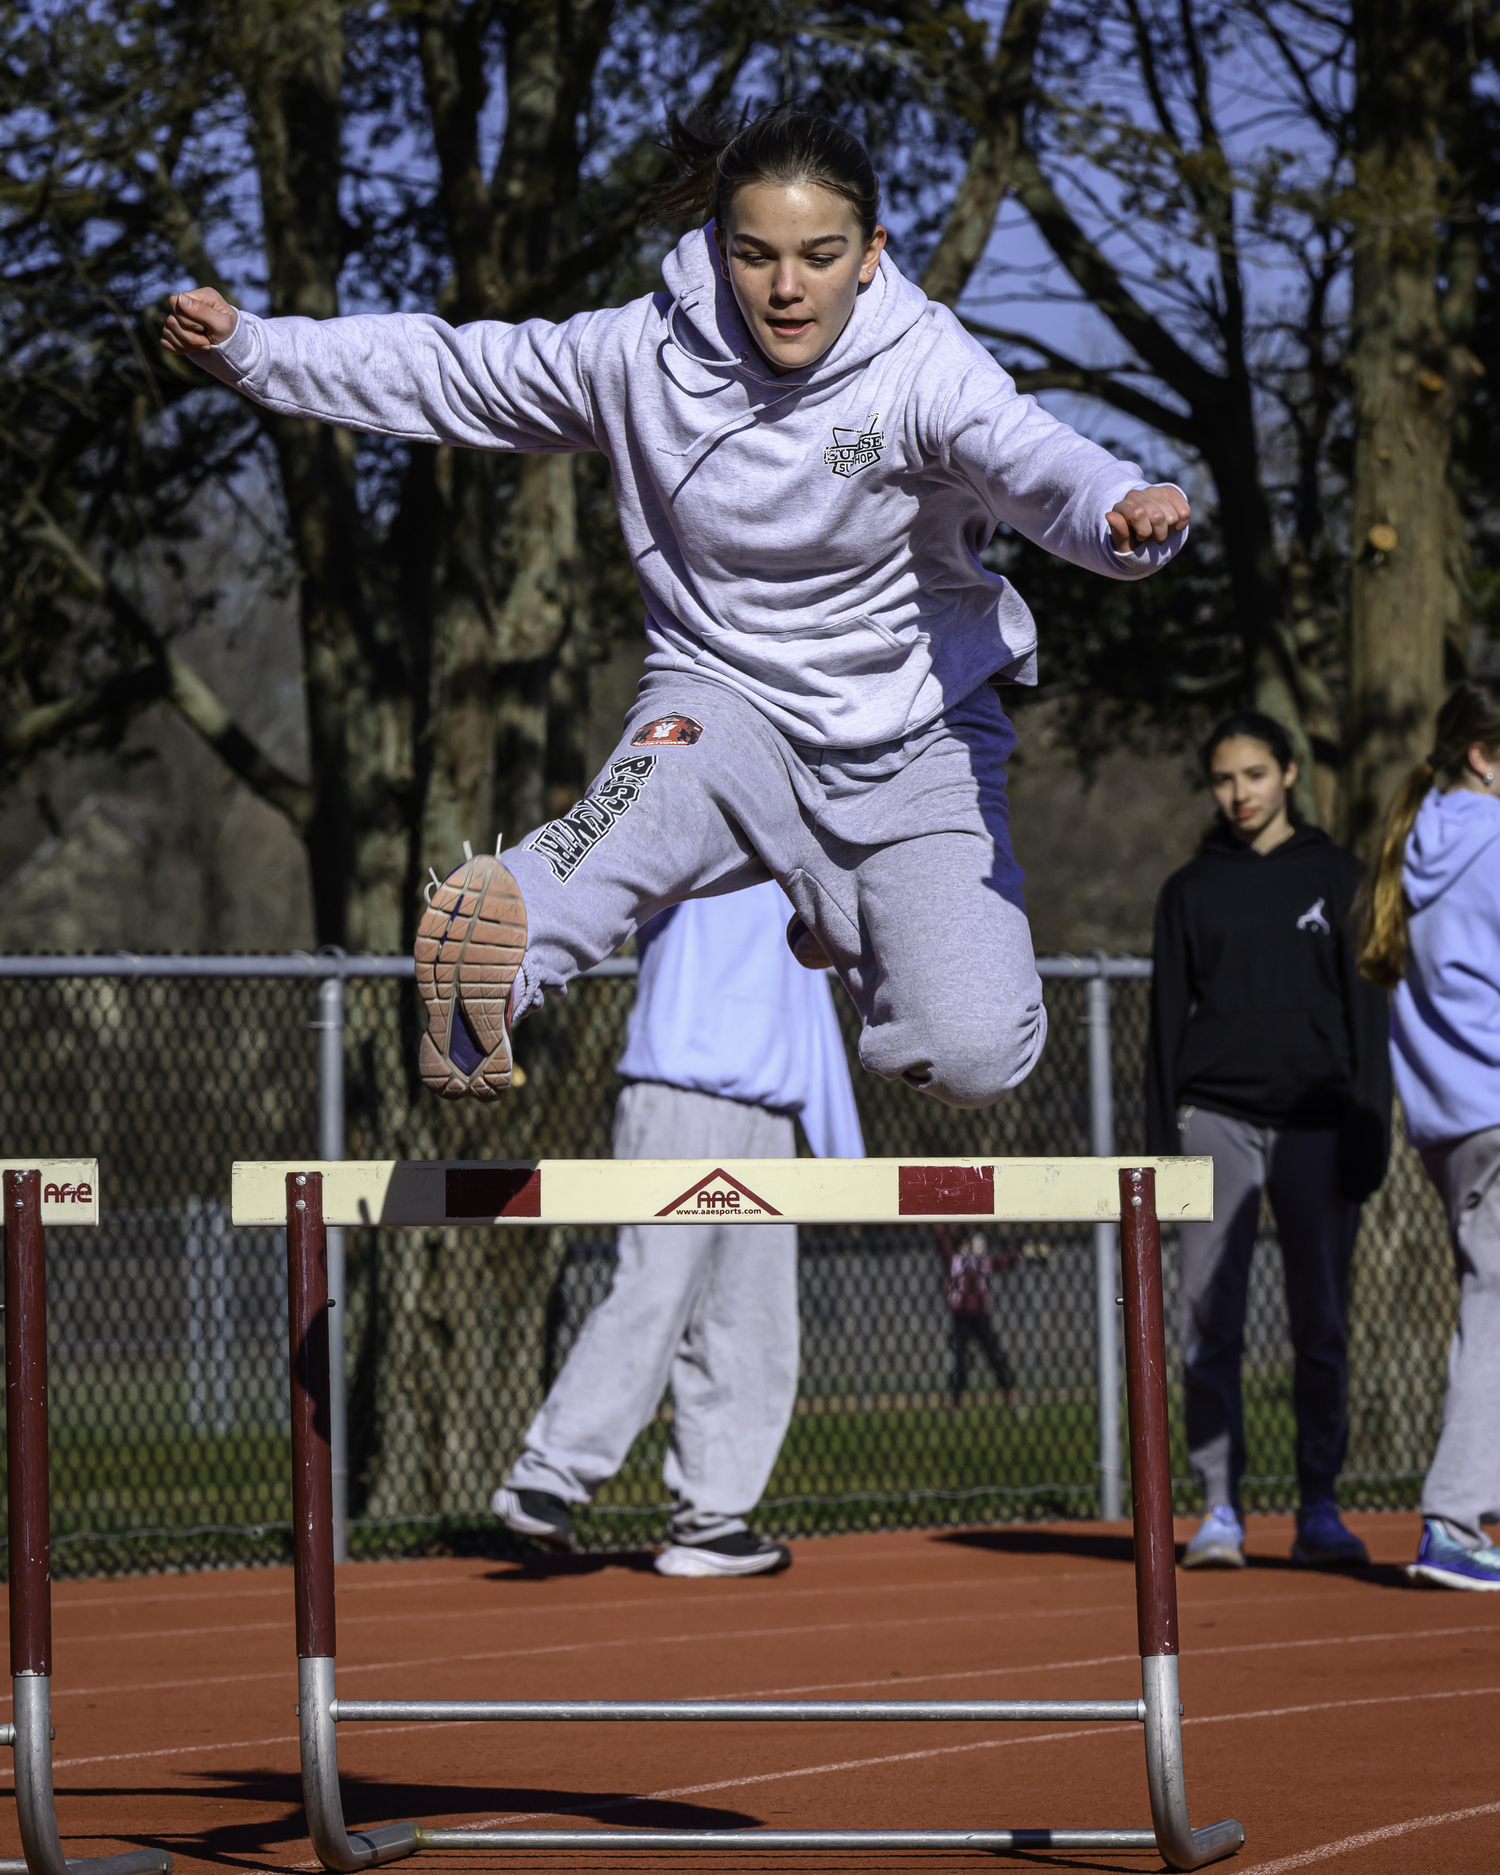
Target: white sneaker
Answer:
pixel 741 1553
pixel 1220 1542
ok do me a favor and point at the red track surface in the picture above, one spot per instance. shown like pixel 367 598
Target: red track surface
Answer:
pixel 1320 1709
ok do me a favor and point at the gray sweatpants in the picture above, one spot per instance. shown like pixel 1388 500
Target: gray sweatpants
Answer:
pixel 709 1309
pixel 898 857
pixel 1317 1228
pixel 1463 1484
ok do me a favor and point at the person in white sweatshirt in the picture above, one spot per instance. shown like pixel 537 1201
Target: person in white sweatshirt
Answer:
pixel 729 1043
pixel 808 457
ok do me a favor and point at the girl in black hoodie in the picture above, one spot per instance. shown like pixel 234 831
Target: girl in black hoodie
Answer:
pixel 1268 1053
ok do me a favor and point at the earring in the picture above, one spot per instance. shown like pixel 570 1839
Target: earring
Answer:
pixel 1489 776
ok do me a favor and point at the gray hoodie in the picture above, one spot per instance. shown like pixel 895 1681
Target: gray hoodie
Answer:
pixel 810 538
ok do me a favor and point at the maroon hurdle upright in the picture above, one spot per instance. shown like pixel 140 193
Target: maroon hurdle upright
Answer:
pixel 313 1195
pixel 64 1191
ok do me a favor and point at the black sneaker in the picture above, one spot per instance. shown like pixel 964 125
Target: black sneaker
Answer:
pixel 741 1553
pixel 538 1514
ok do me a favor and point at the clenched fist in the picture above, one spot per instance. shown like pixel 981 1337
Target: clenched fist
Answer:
pixel 1147 514
pixel 199 319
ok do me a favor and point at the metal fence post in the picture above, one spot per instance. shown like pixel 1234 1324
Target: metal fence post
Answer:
pixel 1106 1245
pixel 330 1027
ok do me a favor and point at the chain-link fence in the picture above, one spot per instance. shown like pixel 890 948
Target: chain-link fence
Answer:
pixel 167 1329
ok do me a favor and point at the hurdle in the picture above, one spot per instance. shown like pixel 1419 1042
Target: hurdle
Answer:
pixel 310 1196
pixel 36 1193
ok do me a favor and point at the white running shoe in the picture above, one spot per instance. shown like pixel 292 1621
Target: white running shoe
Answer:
pixel 538 1514
pixel 1220 1542
pixel 741 1553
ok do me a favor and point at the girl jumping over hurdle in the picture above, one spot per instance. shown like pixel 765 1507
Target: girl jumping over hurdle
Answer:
pixel 808 457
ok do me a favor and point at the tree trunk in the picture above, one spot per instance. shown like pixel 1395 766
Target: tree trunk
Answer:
pixel 1402 595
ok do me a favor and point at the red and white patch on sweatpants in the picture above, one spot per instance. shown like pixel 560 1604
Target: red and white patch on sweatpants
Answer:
pixel 667 732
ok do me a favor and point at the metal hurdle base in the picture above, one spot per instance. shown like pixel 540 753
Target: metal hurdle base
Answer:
pixel 69 1196
pixel 1158 1709
pixel 31 1736
pixel 399 1198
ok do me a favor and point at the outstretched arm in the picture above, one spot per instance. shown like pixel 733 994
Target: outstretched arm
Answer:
pixel 483 386
pixel 1038 475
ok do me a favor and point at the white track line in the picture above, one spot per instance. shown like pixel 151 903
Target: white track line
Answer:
pixel 982 1744
pixel 1095 1660
pixel 566 1647
pixel 816 1770
pixel 654 1597
pixel 1325 1852
pixel 572 1610
pixel 695 1637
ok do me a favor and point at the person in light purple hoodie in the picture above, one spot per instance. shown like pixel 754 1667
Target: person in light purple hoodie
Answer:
pixel 808 458
pixel 1432 934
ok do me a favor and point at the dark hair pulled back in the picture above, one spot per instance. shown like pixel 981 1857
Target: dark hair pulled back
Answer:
pixel 717 157
pixel 1259 727
pixel 1471 715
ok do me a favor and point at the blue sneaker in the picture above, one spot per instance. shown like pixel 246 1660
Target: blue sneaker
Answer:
pixel 1220 1542
pixel 1324 1540
pixel 1445 1564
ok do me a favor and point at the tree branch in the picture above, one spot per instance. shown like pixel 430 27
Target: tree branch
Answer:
pixel 173 682
pixel 1065 374
pixel 1201 389
pixel 992 160
pixel 26 735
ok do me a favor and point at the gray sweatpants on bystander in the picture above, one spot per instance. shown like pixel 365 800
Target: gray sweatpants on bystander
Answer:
pixel 1463 1484
pixel 707 1309
pixel 897 856
pixel 1317 1226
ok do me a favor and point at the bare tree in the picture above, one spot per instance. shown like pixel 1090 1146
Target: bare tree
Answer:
pixel 1415 278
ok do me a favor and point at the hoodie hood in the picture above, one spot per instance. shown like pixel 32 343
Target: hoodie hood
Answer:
pixel 707 324
pixel 1220 842
pixel 1450 833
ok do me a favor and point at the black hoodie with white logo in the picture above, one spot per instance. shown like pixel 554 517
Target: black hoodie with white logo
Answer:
pixel 1257 1008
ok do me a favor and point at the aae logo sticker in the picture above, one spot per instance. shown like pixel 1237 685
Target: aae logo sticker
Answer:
pixel 68 1194
pixel 718 1196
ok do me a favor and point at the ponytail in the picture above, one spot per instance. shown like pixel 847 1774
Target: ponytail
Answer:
pixel 1382 930
pixel 1471 715
pixel 716 157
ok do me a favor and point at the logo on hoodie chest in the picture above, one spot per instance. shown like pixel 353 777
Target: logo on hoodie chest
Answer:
pixel 853 450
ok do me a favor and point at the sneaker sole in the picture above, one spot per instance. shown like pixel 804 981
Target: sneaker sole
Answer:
pixel 1436 1576
pixel 510 1513
pixel 1329 1559
pixel 1214 1559
pixel 682 1560
pixel 470 942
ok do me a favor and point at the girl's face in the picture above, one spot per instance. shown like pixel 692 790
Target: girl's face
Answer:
pixel 795 259
pixel 1251 788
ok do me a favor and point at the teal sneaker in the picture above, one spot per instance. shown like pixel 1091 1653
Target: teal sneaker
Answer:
pixel 1444 1564
pixel 1220 1542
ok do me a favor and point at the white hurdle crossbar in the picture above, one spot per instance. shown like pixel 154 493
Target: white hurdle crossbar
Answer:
pixel 36 1193
pixel 311 1195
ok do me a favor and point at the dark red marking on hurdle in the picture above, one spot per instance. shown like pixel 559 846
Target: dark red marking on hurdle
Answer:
pixel 945 1190
pixel 493 1191
pixel 312 1457
pixel 1146 1391
pixel 26 1425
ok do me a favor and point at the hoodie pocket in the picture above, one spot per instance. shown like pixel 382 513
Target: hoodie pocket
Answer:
pixel 856 647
